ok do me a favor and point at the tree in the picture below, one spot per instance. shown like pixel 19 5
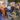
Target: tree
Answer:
pixel 11 0
pixel 17 1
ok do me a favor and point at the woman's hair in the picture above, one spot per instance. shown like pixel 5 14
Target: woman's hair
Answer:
pixel 19 7
pixel 0 11
pixel 6 12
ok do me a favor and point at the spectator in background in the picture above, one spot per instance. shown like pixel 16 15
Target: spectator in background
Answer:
pixel 9 8
pixel 12 8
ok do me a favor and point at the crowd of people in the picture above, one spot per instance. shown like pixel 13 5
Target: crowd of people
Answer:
pixel 12 8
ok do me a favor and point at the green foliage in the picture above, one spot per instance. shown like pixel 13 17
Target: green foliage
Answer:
pixel 14 0
pixel 11 0
pixel 17 1
pixel 17 13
